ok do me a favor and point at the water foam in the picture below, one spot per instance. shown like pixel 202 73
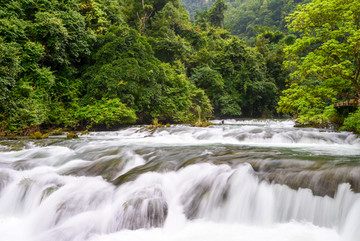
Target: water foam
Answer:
pixel 65 192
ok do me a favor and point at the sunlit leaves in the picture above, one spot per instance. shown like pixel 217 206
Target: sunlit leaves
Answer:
pixel 325 60
pixel 106 112
pixel 352 123
pixel 126 68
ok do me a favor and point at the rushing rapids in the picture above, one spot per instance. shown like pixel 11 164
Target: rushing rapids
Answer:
pixel 241 180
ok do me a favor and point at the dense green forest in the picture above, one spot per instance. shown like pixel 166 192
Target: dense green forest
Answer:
pixel 103 63
pixel 249 18
pixel 83 64
pixel 194 6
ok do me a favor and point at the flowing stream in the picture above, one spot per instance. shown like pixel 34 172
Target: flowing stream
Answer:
pixel 241 180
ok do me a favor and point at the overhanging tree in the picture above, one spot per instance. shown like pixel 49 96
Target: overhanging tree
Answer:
pixel 325 59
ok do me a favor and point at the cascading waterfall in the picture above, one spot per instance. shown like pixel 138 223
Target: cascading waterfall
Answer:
pixel 244 180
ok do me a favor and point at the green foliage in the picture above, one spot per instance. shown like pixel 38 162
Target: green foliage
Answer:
pixel 42 45
pixel 49 28
pixel 138 78
pixel 38 135
pixel 202 124
pixel 245 18
pixel 126 68
pixel 200 104
pixel 155 125
pixel 102 63
pixel 325 60
pixel 216 13
pixel 181 97
pixel 307 102
pixel 165 27
pixel 9 69
pixel 210 81
pixel 71 136
pixel 352 122
pixel 100 14
pixel 107 112
pixel 194 6
pixel 333 39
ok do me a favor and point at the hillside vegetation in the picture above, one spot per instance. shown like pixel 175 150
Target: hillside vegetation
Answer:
pixel 93 63
pixel 104 63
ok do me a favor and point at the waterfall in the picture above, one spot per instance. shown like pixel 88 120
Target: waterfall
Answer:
pixel 238 181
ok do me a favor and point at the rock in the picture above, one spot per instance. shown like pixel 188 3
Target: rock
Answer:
pixel 71 136
pixel 144 209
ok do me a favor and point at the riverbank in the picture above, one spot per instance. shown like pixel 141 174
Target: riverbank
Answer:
pixel 38 132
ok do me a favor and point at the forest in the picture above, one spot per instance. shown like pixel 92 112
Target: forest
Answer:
pixel 89 64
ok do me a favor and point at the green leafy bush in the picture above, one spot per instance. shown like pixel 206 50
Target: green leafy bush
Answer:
pixel 71 136
pixel 107 112
pixel 352 122
pixel 38 135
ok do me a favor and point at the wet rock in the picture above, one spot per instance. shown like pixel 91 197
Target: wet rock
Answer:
pixel 4 180
pixel 25 184
pixel 49 190
pixel 70 135
pixel 38 135
pixel 193 198
pixel 144 209
pixel 322 182
pixel 107 167
pixel 21 165
pixel 202 193
pixel 151 166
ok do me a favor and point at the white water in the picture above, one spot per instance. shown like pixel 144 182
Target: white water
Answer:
pixel 51 194
pixel 246 133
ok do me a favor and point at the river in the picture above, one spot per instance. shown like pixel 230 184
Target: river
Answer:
pixel 243 180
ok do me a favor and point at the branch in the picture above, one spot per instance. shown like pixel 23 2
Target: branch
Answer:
pixel 357 73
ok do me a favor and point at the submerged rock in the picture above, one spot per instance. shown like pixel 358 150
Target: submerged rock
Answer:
pixel 144 209
pixel 193 198
pixel 38 135
pixel 70 135
pixel 4 180
pixel 322 182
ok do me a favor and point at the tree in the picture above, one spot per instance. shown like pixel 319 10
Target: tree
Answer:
pixel 193 6
pixel 216 13
pixel 165 28
pixel 126 68
pixel 325 58
pixel 244 17
pixel 147 11
pixel 9 68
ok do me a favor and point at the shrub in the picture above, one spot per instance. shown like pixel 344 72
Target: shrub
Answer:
pixel 352 122
pixel 106 111
pixel 72 136
pixel 38 135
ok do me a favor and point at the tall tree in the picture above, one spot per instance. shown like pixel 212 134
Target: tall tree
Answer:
pixel 216 13
pixel 325 59
pixel 244 17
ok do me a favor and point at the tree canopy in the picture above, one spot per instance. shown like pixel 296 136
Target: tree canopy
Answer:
pixel 324 61
pixel 247 18
pixel 102 63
